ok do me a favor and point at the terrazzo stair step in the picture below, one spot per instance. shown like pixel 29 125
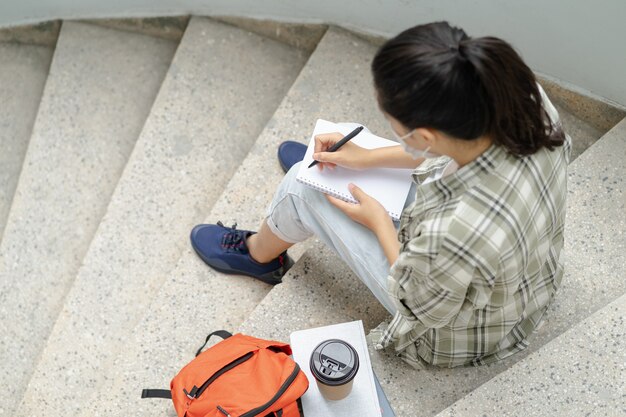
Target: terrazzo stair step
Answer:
pixel 583 134
pixel 195 300
pixel 222 87
pixel 319 290
pixel 586 119
pixel 580 373
pixel 23 73
pixel 98 93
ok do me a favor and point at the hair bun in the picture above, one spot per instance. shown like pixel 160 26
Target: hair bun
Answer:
pixel 435 75
pixel 460 50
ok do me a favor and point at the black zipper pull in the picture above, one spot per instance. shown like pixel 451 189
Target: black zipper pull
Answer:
pixel 226 413
pixel 191 395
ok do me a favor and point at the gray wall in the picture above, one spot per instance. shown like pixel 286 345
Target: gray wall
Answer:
pixel 577 42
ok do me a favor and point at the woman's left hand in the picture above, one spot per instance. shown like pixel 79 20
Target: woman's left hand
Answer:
pixel 369 212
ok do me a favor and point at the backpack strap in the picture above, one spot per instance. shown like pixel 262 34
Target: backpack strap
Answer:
pixel 221 333
pixel 165 393
pixel 156 393
pixel 290 410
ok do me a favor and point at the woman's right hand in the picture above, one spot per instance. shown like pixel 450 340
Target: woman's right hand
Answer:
pixel 350 155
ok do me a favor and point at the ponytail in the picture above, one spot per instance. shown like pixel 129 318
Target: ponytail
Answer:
pixel 436 76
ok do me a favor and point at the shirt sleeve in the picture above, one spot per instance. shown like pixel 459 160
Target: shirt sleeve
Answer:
pixel 428 284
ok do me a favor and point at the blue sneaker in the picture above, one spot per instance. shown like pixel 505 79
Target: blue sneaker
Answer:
pixel 290 153
pixel 224 249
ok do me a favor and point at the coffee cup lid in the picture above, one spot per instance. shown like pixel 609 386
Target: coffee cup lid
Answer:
pixel 334 362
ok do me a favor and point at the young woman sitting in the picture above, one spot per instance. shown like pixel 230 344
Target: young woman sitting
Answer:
pixel 474 262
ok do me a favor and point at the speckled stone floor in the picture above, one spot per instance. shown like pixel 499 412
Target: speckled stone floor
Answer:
pixel 99 105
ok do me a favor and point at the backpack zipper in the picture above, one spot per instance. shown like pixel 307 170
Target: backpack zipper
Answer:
pixel 196 392
pixel 292 377
pixel 221 410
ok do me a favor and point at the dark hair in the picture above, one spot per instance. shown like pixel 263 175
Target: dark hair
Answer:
pixel 436 76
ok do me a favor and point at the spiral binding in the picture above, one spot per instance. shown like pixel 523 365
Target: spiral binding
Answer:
pixel 327 190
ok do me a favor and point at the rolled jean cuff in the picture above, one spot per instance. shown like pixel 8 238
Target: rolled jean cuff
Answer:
pixel 283 221
pixel 277 232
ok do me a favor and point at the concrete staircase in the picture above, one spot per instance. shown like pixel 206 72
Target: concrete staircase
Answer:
pixel 23 71
pixel 140 134
pixel 98 93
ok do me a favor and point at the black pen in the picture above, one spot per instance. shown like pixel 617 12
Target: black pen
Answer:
pixel 339 144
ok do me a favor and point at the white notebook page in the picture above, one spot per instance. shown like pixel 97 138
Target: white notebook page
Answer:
pixel 387 185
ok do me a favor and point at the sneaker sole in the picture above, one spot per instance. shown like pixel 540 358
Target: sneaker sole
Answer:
pixel 267 279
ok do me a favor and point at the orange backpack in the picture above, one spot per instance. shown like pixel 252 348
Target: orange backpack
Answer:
pixel 241 376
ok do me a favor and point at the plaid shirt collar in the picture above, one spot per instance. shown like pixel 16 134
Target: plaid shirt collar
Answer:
pixel 433 193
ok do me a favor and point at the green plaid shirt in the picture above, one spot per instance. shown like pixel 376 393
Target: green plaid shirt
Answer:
pixel 479 258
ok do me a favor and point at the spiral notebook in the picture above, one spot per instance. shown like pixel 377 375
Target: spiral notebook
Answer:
pixel 387 185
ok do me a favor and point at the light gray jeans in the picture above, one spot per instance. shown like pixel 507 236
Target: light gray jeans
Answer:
pixel 298 212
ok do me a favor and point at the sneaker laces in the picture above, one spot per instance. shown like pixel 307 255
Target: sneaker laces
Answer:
pixel 234 240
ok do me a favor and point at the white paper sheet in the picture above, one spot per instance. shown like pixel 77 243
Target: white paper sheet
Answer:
pixel 363 400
